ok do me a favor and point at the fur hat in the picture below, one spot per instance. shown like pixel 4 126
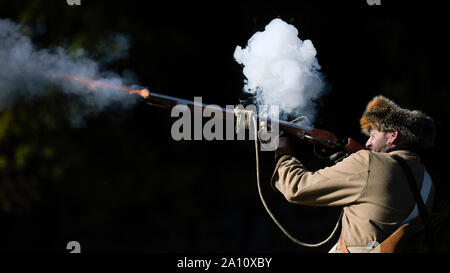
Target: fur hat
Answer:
pixel 383 114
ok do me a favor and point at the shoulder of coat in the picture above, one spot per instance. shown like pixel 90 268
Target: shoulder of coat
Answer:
pixel 363 153
pixel 406 154
pixel 362 156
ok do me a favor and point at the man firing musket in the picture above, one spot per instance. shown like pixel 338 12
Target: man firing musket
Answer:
pixel 370 184
pixel 377 187
pixel 373 186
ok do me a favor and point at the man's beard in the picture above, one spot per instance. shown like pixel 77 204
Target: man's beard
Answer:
pixel 382 149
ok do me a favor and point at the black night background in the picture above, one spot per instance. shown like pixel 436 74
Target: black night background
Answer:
pixel 120 183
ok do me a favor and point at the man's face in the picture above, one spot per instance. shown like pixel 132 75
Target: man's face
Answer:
pixel 378 141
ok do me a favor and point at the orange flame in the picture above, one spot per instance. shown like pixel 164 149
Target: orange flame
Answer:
pixel 93 85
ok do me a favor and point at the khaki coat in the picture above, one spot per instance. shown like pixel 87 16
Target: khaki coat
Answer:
pixel 371 187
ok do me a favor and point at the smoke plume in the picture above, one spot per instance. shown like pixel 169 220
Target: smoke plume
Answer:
pixel 27 71
pixel 281 69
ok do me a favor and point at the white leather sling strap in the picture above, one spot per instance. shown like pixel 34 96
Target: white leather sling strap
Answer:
pixel 424 193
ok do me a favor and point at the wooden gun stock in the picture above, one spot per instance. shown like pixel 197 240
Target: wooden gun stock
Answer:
pixel 353 146
pixel 326 138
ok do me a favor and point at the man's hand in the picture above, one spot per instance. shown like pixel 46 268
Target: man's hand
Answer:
pixel 287 145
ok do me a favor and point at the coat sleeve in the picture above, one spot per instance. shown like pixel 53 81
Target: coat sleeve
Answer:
pixel 337 185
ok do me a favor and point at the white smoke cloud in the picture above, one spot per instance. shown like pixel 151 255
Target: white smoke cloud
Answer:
pixel 281 69
pixel 26 70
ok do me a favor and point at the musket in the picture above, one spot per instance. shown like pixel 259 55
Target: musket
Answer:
pixel 314 135
pixel 321 137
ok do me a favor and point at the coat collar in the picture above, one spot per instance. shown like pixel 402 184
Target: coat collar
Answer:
pixel 404 152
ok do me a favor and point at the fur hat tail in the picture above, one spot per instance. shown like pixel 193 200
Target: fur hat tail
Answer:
pixel 383 114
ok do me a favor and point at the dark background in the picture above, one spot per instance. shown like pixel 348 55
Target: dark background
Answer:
pixel 120 183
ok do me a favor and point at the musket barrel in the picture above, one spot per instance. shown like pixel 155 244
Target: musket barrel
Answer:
pixel 314 135
pixel 170 101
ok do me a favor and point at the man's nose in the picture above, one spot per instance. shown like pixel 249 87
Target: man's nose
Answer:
pixel 368 144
